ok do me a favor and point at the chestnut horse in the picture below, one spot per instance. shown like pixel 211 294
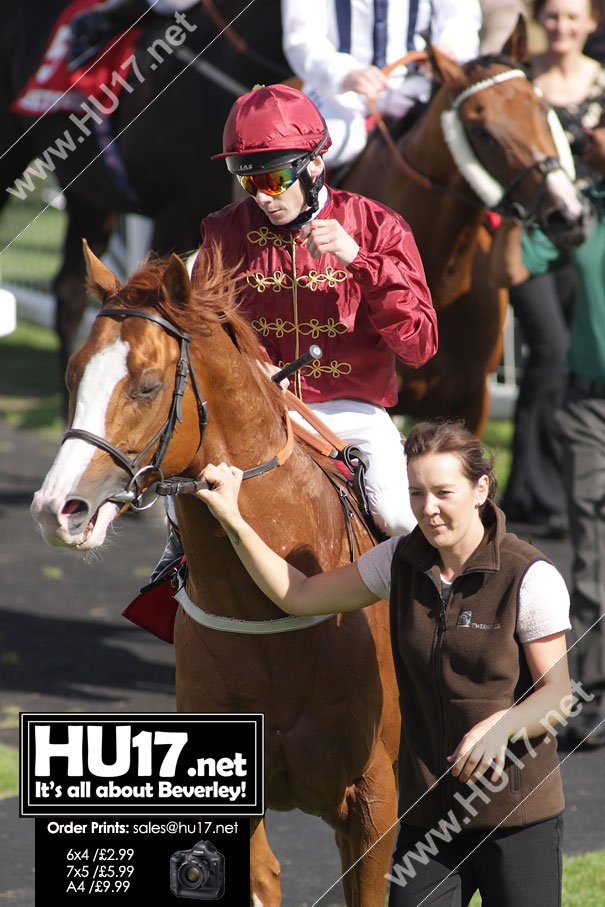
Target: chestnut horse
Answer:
pixel 486 141
pixel 327 691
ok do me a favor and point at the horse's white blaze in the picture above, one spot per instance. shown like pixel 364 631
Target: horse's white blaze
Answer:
pixel 561 187
pixel 105 369
pixel 256 901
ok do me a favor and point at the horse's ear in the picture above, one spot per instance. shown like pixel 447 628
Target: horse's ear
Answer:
pixel 517 45
pixel 445 69
pixel 176 281
pixel 99 277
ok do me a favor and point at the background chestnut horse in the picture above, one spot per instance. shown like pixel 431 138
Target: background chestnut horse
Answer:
pixel 328 692
pixel 505 125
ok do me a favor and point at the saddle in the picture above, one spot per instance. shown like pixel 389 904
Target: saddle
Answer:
pixel 154 608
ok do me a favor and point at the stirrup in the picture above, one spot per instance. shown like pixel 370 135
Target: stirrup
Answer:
pixel 172 553
pixel 347 455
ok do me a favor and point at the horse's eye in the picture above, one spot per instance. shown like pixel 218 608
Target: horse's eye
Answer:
pixel 483 135
pixel 147 388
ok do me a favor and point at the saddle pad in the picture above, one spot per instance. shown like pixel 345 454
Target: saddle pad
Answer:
pixel 154 608
pixel 53 88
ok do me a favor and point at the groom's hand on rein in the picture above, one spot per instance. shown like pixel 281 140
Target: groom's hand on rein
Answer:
pixel 223 489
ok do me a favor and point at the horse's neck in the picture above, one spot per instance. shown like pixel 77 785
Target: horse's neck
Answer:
pixel 293 507
pixel 243 428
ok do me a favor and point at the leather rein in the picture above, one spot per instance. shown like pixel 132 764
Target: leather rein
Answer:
pixel 131 496
pixel 505 207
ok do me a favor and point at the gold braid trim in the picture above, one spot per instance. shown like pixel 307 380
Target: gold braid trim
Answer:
pixel 312 328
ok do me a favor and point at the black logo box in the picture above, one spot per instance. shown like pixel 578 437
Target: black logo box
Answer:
pixel 86 764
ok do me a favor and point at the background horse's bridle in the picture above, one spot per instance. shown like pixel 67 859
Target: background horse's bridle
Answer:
pixel 133 493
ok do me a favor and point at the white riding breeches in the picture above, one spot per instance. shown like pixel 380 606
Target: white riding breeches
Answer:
pixel 371 429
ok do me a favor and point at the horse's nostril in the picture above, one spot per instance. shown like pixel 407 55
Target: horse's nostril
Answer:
pixel 73 507
pixel 556 218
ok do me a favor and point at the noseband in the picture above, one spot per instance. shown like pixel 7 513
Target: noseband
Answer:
pixel 133 492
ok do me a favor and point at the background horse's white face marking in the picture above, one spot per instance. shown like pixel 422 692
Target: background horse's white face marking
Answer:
pixel 105 369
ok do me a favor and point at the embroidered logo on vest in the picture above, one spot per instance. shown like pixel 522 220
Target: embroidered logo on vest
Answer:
pixel 465 619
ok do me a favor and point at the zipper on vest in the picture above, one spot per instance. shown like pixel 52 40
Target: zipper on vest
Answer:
pixel 438 675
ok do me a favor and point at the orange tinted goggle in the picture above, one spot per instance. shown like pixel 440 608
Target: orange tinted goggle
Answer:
pixel 273 183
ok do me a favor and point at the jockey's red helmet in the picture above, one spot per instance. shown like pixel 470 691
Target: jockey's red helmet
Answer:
pixel 271 126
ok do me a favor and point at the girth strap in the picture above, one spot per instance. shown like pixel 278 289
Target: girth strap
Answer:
pixel 237 625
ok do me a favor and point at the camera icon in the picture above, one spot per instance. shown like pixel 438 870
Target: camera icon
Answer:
pixel 198 873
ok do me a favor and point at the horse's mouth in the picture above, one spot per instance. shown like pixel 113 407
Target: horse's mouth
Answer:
pixel 88 530
pixel 95 530
pixel 69 527
pixel 567 234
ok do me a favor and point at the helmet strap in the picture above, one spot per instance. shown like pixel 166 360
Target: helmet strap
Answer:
pixel 311 189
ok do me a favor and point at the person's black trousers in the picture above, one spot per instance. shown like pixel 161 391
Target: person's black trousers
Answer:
pixel 512 867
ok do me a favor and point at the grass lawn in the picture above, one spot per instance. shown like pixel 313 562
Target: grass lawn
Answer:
pixel 30 383
pixel 35 239
pixel 9 771
pixel 583 880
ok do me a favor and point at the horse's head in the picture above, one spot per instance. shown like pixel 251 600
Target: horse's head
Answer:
pixel 509 146
pixel 129 386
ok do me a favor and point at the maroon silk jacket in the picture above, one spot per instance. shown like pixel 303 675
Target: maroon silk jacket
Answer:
pixel 362 316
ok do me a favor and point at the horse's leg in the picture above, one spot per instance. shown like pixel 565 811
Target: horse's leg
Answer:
pixel 366 837
pixel 492 303
pixel 474 408
pixel 84 221
pixel 265 888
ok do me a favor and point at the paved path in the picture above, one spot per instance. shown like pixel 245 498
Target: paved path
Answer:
pixel 64 646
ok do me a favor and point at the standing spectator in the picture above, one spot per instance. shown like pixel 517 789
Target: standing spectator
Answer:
pixel 575 86
pixel 338 50
pixel 582 423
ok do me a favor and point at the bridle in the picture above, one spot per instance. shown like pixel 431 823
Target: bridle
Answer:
pixel 132 495
pixel 491 193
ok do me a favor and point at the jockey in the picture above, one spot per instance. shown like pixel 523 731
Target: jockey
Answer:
pixel 325 266
pixel 92 28
pixel 338 50
pixel 320 265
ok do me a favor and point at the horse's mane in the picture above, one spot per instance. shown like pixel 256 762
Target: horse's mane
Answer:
pixel 476 70
pixel 480 67
pixel 214 301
